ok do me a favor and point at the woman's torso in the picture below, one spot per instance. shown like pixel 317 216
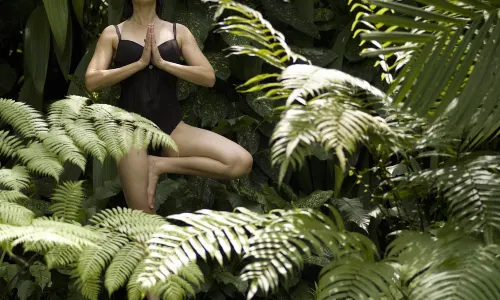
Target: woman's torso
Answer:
pixel 151 92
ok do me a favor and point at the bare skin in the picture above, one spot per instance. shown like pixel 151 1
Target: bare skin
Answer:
pixel 201 152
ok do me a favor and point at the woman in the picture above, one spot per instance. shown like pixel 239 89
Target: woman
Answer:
pixel 146 51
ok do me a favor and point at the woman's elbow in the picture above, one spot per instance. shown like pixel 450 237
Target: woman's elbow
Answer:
pixel 90 84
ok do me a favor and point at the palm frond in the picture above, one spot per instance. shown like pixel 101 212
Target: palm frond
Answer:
pixel 9 144
pixel 22 117
pixel 16 178
pixel 67 201
pixel 446 58
pixel 471 187
pixel 352 277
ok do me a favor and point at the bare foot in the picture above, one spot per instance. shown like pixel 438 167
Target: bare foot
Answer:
pixel 153 176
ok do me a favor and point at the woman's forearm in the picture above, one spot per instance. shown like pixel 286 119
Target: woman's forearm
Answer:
pixel 97 80
pixel 195 74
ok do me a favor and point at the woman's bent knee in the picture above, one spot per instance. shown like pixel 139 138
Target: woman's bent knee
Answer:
pixel 240 164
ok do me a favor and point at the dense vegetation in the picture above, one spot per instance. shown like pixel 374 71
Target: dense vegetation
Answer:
pixel 405 162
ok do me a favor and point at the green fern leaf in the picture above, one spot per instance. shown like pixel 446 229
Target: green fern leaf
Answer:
pixel 134 291
pixel 68 198
pixel 474 190
pixel 15 214
pixel 172 248
pixel 9 144
pixel 351 277
pixel 123 265
pixel 251 24
pixel 93 260
pixel 354 211
pixel 11 196
pixel 82 132
pixel 136 224
pixel 39 160
pixel 16 178
pixel 22 117
pixel 66 111
pixel 49 232
pixel 61 256
pixel 56 141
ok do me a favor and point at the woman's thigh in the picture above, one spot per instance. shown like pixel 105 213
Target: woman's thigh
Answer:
pixel 133 170
pixel 193 141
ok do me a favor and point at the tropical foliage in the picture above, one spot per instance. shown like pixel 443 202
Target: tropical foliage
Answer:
pixel 402 164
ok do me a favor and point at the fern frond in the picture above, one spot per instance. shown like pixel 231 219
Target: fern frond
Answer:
pixel 61 256
pixel 93 260
pixel 9 144
pixel 311 82
pixel 251 24
pixel 90 288
pixel 12 196
pixel 354 211
pixel 82 132
pixel 454 265
pixel 16 178
pixel 172 248
pixel 56 141
pixel 15 214
pixel 68 198
pixel 136 224
pixel 50 233
pixel 66 111
pixel 41 161
pixel 22 117
pixel 134 291
pixel 337 125
pixel 471 187
pixel 123 265
pixel 352 277
pixel 443 52
pixel 477 275
pixel 281 247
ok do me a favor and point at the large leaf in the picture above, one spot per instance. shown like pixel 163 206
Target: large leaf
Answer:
pixel 289 14
pixel 249 138
pixel 57 13
pixel 115 10
pixel 220 64
pixel 30 95
pixel 78 10
pixel 7 77
pixel 168 12
pixel 198 22
pixel 37 47
pixel 74 89
pixel 214 106
pixel 319 56
pixel 64 58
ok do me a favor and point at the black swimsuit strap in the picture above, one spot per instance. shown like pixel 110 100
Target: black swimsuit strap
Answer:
pixel 118 32
pixel 175 31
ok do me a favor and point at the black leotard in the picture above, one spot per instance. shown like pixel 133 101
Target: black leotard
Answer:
pixel 151 92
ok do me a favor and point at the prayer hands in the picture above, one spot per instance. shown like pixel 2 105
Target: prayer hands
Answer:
pixel 156 58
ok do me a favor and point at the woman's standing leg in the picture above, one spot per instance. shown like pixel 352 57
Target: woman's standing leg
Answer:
pixel 133 170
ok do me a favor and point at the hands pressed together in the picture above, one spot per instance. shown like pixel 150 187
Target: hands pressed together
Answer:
pixel 151 54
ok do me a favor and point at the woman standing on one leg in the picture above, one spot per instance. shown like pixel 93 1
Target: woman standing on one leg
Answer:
pixel 146 51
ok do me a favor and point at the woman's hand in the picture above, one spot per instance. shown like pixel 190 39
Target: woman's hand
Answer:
pixel 156 58
pixel 146 52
